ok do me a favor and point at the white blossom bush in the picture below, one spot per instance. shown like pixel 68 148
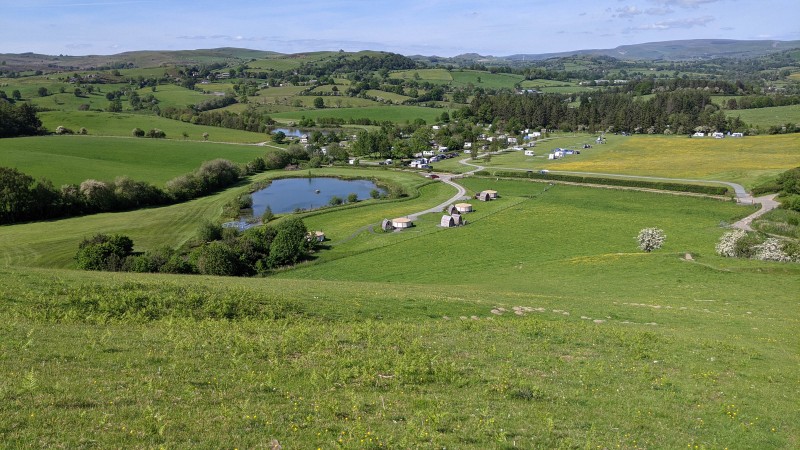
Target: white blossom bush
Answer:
pixel 650 239
pixel 771 250
pixel 727 243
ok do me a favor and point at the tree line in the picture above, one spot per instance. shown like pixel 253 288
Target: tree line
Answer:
pixel 18 120
pixel 676 112
pixel 215 251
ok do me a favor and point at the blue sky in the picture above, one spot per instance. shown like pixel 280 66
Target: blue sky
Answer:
pixel 429 27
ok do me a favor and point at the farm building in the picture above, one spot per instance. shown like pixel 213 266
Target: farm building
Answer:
pixel 447 221
pixel 492 194
pixel 451 210
pixel 457 220
pixel 463 207
pixel 483 196
pixel 386 225
pixel 402 222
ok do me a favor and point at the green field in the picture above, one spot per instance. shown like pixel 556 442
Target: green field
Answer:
pixel 390 96
pixel 397 114
pixel 767 117
pixel 73 159
pixel 423 74
pixel 411 339
pixel 178 96
pixel 122 124
pixel 748 161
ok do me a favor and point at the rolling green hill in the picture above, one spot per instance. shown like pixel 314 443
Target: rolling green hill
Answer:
pixel 73 159
pixel 539 324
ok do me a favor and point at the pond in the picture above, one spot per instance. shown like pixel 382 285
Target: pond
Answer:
pixel 289 194
pixel 294 132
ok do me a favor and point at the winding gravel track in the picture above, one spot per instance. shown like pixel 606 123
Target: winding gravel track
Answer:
pixel 767 202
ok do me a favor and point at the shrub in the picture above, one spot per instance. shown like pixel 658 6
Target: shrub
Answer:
pixel 650 239
pixel 104 252
pixel 745 246
pixel 727 243
pixel 770 250
pixel 352 197
pixel 83 131
pixel 63 130
pixel 267 215
pixel 216 258
pixel 209 231
pixel 335 201
pixel 138 132
pixel 156 133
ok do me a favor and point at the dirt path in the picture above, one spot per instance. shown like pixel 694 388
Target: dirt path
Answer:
pixel 767 203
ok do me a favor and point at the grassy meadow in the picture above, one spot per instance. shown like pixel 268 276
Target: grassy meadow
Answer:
pixel 556 332
pixel 767 117
pixel 397 114
pixel 54 243
pixel 73 159
pixel 748 161
pixel 539 324
pixel 122 124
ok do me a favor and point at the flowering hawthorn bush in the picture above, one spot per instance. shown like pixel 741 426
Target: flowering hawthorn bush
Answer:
pixel 651 239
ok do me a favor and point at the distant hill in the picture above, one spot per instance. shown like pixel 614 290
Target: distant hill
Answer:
pixel 144 58
pixel 677 50
pixel 668 50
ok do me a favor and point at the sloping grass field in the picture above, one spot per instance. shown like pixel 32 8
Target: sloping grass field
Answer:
pixel 748 161
pixel 73 159
pixel 538 325
pixel 397 114
pixel 767 117
pixel 122 124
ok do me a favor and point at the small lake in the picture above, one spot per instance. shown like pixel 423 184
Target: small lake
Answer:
pixel 294 132
pixel 288 194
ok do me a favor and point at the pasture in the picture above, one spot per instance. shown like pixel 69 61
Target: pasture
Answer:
pixel 748 161
pixel 99 123
pixel 53 243
pixel 767 117
pixel 539 324
pixel 397 114
pixel 73 159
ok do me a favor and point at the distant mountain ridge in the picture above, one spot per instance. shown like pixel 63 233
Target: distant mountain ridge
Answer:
pixel 676 50
pixel 667 50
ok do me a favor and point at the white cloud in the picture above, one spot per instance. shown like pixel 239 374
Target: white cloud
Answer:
pixel 658 11
pixel 685 3
pixel 677 23
pixel 627 12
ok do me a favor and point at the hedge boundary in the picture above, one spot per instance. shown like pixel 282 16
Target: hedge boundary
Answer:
pixel 660 185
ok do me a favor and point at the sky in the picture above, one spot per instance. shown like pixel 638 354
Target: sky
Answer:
pixel 409 27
